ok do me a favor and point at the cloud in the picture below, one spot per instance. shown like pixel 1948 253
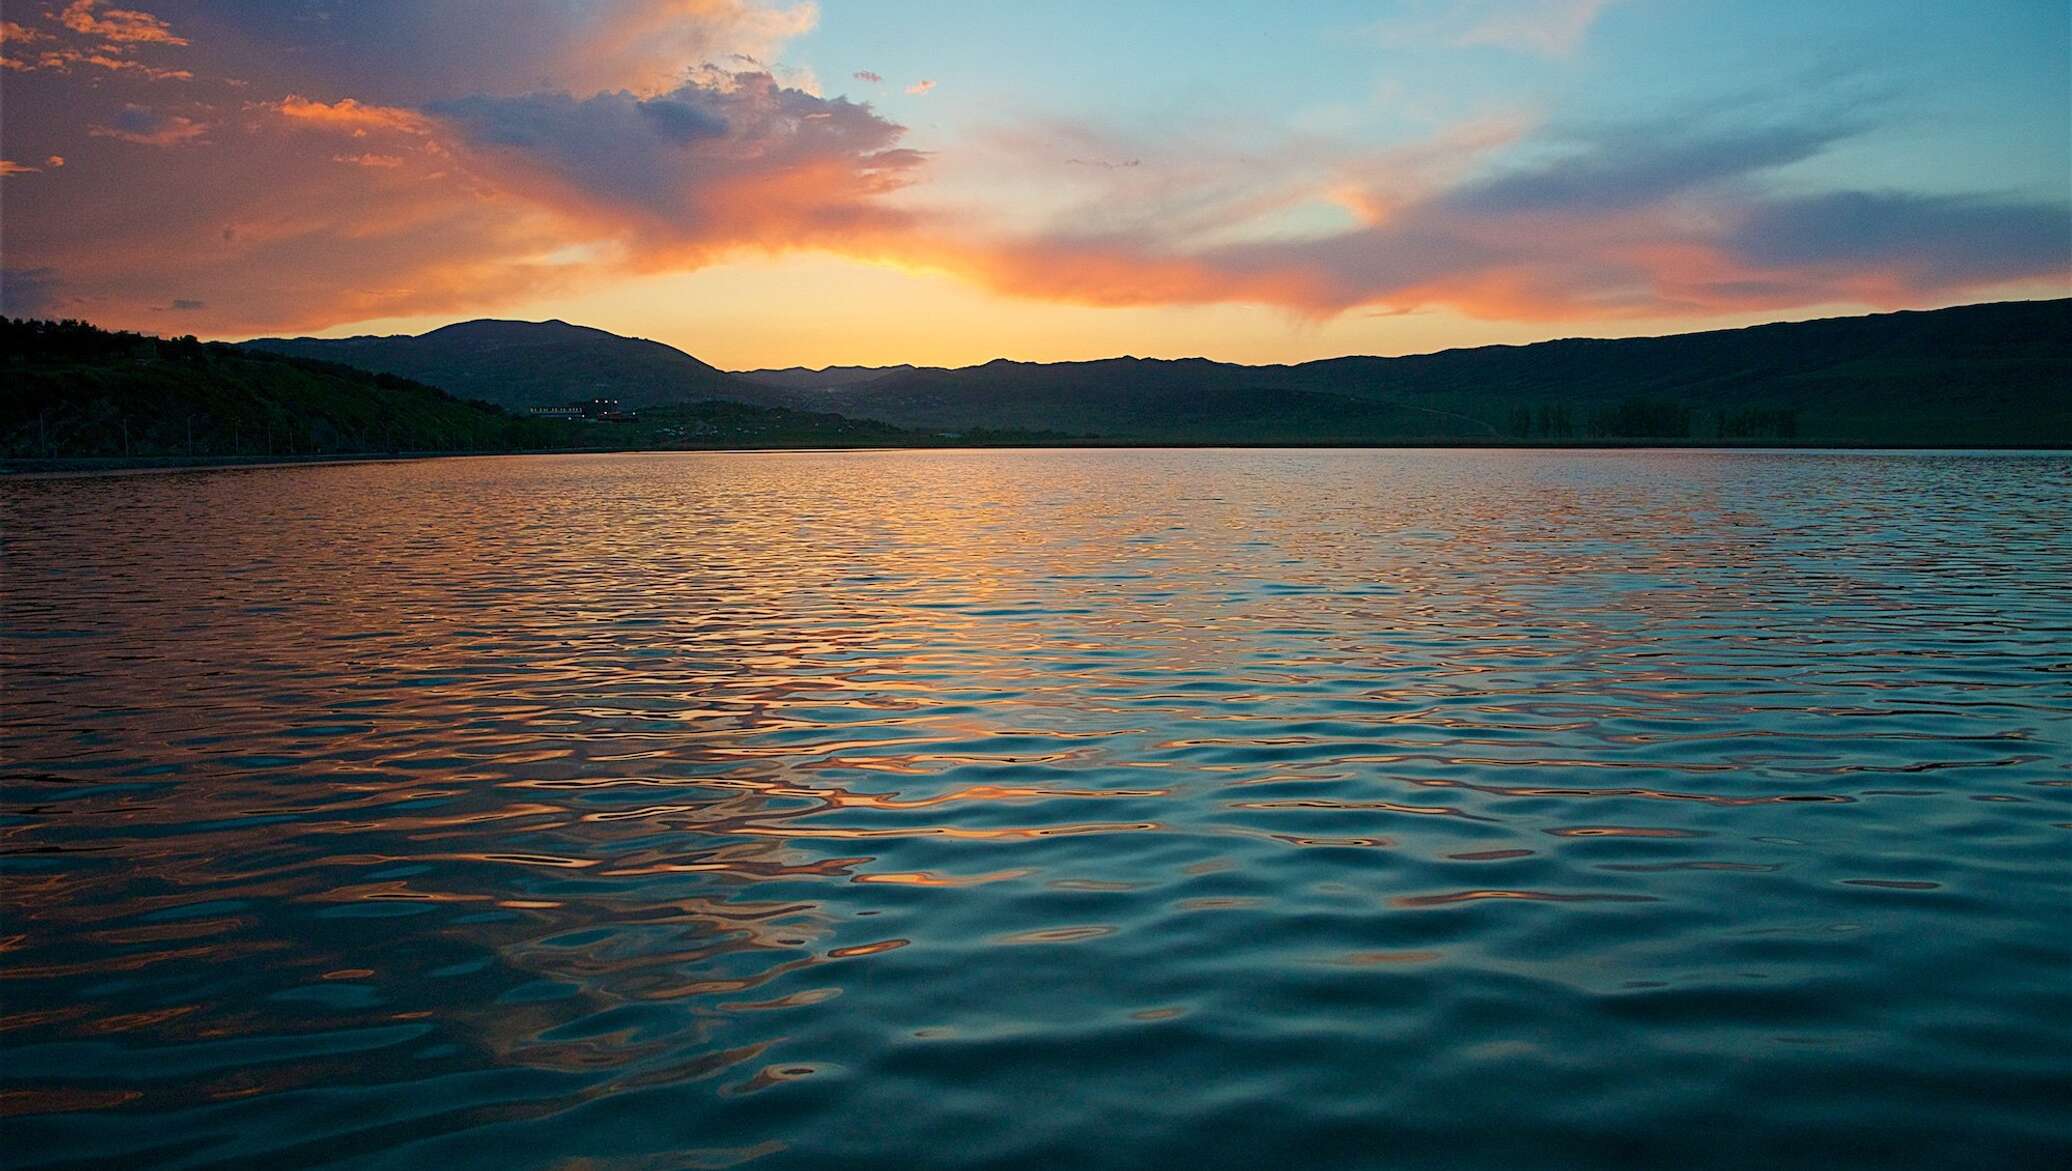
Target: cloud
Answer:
pixel 117 25
pixel 1914 240
pixel 62 61
pixel 107 41
pixel 1542 28
pixel 347 114
pixel 866 75
pixel 143 126
pixel 387 157
pixel 732 160
pixel 920 87
pixel 29 292
pixel 10 167
pixel 54 161
pixel 1621 221
pixel 409 52
pixel 309 210
pixel 186 305
pixel 1548 28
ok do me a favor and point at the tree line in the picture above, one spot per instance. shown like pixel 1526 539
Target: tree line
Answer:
pixel 1649 418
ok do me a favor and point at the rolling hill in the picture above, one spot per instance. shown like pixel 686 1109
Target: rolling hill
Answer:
pixel 519 364
pixel 74 391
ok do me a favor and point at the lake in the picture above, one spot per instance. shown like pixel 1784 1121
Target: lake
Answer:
pixel 1077 809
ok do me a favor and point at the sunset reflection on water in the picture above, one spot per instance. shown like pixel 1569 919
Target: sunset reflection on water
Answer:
pixel 1119 808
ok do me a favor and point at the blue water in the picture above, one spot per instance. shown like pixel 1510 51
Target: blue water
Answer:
pixel 1076 809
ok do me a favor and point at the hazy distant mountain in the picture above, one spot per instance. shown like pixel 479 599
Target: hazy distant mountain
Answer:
pixel 825 378
pixel 526 364
pixel 1987 374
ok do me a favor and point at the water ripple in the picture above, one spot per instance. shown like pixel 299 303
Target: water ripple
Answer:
pixel 1100 809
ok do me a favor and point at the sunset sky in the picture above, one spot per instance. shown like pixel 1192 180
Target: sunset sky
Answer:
pixel 948 182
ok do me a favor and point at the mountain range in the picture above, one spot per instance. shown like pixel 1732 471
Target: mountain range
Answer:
pixel 1997 374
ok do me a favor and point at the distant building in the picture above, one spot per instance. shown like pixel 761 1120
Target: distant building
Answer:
pixel 596 410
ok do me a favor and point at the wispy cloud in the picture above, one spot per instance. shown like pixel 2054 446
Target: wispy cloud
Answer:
pixel 865 75
pixel 920 87
pixel 1544 28
pixel 1619 222
pixel 1549 28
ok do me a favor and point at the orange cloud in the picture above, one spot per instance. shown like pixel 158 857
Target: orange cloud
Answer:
pixel 118 25
pixel 348 114
pixel 920 87
pixel 10 167
pixel 62 61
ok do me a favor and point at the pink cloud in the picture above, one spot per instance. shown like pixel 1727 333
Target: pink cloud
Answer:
pixel 920 87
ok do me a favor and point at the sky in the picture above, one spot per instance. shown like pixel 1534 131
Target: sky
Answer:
pixel 949 181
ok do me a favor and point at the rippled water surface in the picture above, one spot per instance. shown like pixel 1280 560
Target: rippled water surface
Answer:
pixel 1077 809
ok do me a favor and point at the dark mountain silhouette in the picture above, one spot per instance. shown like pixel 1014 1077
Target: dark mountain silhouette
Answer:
pixel 519 364
pixel 825 378
pixel 75 392
pixel 1987 374
pixel 1996 374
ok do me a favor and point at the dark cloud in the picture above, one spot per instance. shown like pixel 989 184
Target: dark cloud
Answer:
pixel 681 162
pixel 29 292
pixel 1936 240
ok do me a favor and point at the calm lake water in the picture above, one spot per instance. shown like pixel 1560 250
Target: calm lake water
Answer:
pixel 1069 809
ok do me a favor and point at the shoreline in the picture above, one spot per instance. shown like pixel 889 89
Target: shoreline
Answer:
pixel 67 467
